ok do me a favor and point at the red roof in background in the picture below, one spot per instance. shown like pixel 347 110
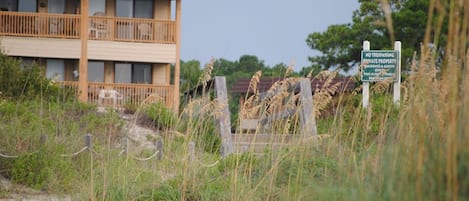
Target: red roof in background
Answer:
pixel 241 85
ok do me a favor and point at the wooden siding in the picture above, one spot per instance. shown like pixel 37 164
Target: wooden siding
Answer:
pixel 97 50
pixel 159 74
pixel 109 72
pixel 41 47
pixel 131 52
pixel 162 9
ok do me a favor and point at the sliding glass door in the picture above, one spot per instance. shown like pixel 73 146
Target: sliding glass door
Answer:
pixel 18 5
pixel 141 73
pixel 132 9
pixel 27 6
pixel 55 69
pixel 55 24
pixel 97 7
pixel 8 5
pixel 56 6
pixel 133 73
pixel 143 9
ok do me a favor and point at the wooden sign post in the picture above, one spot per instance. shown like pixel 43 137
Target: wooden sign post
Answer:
pixel 366 84
pixel 397 83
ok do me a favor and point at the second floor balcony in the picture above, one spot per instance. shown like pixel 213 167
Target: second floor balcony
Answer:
pixel 67 26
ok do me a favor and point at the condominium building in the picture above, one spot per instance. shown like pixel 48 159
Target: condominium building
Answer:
pixel 118 51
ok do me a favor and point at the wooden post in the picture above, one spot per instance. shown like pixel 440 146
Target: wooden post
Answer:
pixel 43 139
pixel 177 66
pixel 83 66
pixel 88 141
pixel 159 147
pixel 223 121
pixel 397 83
pixel 125 141
pixel 307 120
pixel 366 85
pixel 191 151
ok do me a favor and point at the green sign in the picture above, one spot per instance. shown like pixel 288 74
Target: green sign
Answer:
pixel 379 65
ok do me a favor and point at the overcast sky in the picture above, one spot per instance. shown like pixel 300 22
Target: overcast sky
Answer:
pixel 273 30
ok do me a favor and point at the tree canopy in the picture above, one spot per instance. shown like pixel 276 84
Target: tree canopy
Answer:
pixel 245 67
pixel 341 44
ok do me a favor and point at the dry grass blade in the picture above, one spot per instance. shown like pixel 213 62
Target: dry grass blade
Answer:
pixel 323 95
pixel 249 108
pixel 289 71
pixel 254 82
pixel 207 74
pixel 382 87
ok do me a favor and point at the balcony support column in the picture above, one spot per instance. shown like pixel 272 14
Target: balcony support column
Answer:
pixel 177 66
pixel 83 64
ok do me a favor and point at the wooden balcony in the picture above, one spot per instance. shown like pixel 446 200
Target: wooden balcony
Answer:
pixel 67 26
pixel 39 25
pixel 120 94
pixel 133 30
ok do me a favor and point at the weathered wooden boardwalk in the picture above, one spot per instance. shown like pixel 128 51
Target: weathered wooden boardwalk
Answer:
pixel 258 143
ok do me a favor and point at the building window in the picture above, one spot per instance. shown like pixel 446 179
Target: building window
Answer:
pixel 95 71
pixel 141 73
pixel 134 8
pixel 9 5
pixel 55 69
pixel 26 62
pixel 56 6
pixel 27 6
pixel 133 73
pixel 97 7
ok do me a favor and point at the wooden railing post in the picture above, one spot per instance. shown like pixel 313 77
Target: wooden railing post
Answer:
pixel 223 121
pixel 83 68
pixel 307 120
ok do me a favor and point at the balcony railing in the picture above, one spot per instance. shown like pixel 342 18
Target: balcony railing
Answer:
pixel 100 27
pixel 128 29
pixel 120 94
pixel 39 25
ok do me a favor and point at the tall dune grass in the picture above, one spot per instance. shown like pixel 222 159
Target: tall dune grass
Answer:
pixel 418 150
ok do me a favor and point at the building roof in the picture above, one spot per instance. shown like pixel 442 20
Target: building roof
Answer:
pixel 348 84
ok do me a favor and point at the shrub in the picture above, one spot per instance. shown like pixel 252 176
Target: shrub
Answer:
pixel 26 83
pixel 160 115
pixel 42 170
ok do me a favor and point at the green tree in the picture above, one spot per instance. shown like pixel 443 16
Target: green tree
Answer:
pixel 190 73
pixel 314 69
pixel 245 67
pixel 341 44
